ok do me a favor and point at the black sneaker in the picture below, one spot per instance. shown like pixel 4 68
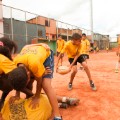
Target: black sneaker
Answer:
pixel 63 105
pixel 92 85
pixel 69 86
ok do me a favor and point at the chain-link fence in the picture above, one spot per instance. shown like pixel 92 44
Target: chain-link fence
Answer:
pixel 22 27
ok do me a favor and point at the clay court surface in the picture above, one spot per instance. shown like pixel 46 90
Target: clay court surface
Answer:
pixel 103 104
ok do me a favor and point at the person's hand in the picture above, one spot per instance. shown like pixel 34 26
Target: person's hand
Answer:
pixel 13 99
pixel 34 102
pixel 47 71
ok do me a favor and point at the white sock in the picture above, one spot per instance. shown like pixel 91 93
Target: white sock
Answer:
pixel 64 99
pixel 58 117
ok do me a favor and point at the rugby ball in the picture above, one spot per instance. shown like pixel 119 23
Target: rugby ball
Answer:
pixel 63 70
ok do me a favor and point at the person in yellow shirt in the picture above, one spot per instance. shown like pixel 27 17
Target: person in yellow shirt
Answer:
pixel 107 49
pixel 73 50
pixel 97 49
pixel 20 110
pixel 7 67
pixel 36 58
pixel 12 77
pixel 7 47
pixel 118 54
pixel 60 45
pixel 85 47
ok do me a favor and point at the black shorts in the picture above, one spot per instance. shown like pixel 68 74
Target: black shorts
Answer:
pixel 80 59
pixel 61 55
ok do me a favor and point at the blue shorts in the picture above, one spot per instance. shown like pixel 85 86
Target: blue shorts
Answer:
pixel 49 62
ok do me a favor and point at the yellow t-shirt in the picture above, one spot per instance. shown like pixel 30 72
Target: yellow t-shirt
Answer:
pixel 85 46
pixel 71 49
pixel 33 57
pixel 6 65
pixel 60 45
pixel 119 41
pixel 20 110
pixel 106 48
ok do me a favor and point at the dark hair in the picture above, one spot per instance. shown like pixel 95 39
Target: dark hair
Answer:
pixel 76 36
pixel 9 43
pixel 18 78
pixel 5 51
pixel 83 34
pixel 5 84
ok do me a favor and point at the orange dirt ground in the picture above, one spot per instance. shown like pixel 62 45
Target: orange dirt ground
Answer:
pixel 103 104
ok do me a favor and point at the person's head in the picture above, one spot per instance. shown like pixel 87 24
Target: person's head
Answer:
pixel 18 78
pixel 83 36
pixel 59 37
pixel 76 39
pixel 5 50
pixel 9 44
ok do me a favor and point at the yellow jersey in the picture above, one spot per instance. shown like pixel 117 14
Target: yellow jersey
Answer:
pixel 33 56
pixel 71 49
pixel 6 65
pixel 119 41
pixel 60 45
pixel 20 110
pixel 85 46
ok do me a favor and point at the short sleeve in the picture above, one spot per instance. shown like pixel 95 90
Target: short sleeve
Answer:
pixel 7 66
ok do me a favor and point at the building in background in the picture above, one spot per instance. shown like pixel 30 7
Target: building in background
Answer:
pixel 23 32
pixel 50 26
pixel 67 33
pixel 1 20
pixel 99 40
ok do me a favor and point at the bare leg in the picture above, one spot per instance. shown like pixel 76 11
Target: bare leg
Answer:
pixel 73 73
pixel 51 95
pixel 87 70
pixel 85 66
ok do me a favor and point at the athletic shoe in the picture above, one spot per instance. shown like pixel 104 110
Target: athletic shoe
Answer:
pixel 57 118
pixel 92 85
pixel 72 101
pixel 69 86
pixel 63 105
